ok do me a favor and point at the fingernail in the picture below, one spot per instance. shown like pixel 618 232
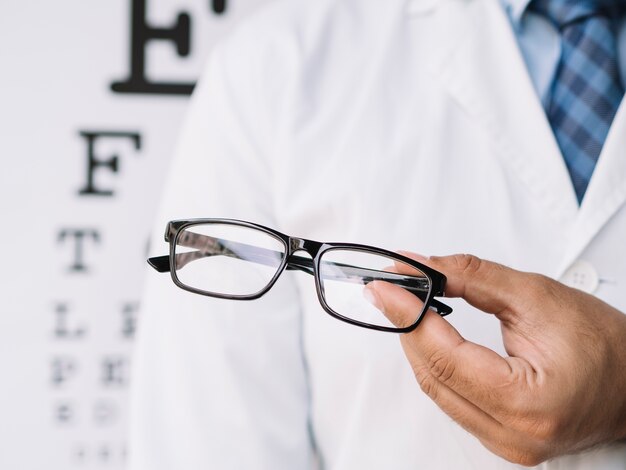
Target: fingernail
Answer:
pixel 419 257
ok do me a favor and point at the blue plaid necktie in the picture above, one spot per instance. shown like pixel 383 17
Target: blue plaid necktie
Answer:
pixel 586 90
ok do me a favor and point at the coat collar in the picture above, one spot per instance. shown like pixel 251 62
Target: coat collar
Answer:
pixel 516 10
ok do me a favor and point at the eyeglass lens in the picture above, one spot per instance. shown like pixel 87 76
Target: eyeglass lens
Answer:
pixel 227 259
pixel 344 273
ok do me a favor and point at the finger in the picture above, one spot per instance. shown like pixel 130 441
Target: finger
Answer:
pixel 494 435
pixel 488 286
pixel 498 437
pixel 401 307
pixel 462 411
pixel 435 347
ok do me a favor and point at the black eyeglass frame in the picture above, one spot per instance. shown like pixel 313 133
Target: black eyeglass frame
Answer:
pixel 315 249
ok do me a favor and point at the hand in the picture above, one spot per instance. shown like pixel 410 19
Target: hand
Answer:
pixel 562 388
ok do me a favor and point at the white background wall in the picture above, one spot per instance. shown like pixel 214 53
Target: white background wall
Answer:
pixel 73 253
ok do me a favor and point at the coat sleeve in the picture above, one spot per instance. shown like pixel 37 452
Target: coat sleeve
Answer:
pixel 216 383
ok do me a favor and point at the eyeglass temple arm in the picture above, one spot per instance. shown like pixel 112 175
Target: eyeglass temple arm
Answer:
pixel 268 257
pixel 206 246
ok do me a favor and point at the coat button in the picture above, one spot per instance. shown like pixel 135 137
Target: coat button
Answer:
pixel 581 275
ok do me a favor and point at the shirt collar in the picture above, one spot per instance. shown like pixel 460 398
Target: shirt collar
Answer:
pixel 516 10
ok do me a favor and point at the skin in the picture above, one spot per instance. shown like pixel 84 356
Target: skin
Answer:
pixel 562 387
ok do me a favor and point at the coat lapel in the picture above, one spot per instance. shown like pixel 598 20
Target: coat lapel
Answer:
pixel 483 70
pixel 606 192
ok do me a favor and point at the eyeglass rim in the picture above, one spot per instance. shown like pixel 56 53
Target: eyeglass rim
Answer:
pixel 377 251
pixel 176 227
pixel 292 244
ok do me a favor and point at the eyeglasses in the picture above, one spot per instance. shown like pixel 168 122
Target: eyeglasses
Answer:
pixel 237 260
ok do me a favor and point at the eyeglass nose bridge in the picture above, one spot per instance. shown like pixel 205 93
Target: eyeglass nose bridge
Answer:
pixel 302 244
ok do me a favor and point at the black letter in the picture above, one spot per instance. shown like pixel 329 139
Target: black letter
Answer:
pixel 114 371
pixel 219 6
pixel 141 34
pixel 112 163
pixel 129 319
pixel 62 368
pixel 61 328
pixel 64 413
pixel 79 236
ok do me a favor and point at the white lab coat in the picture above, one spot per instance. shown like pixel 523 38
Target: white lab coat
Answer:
pixel 407 125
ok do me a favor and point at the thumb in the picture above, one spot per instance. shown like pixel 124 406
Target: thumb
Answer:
pixel 402 308
pixel 437 351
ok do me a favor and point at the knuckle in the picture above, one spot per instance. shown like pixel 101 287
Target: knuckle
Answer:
pixel 547 430
pixel 522 451
pixel 540 288
pixel 442 366
pixel 532 291
pixel 539 284
pixel 427 382
pixel 525 457
pixel 537 438
pixel 468 264
pixel 535 425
